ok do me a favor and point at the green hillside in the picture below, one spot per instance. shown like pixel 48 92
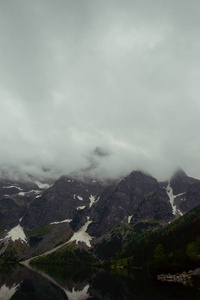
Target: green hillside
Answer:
pixel 173 248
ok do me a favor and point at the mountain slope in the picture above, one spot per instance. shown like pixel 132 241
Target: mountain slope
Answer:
pixel 51 215
pixel 138 196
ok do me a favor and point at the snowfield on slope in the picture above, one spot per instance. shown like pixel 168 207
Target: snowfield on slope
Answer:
pixel 81 235
pixel 93 200
pixel 16 233
pixel 172 197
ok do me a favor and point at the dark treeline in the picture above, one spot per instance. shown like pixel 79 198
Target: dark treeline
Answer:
pixel 173 248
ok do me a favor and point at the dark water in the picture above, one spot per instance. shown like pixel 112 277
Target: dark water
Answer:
pixel 71 283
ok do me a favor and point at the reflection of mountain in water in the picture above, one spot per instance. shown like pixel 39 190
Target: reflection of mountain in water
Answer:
pixel 18 282
pixel 76 283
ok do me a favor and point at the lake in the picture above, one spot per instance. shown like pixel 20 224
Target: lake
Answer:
pixel 79 283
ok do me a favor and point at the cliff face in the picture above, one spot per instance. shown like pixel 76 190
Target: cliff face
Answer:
pixel 50 214
pixel 137 196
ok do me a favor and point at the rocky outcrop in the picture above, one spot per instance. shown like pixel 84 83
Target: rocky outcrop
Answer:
pixel 10 213
pixel 186 192
pixel 180 182
pixel 185 278
pixel 137 197
pixel 66 199
pixel 191 198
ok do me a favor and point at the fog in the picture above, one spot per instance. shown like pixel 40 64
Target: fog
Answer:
pixel 107 86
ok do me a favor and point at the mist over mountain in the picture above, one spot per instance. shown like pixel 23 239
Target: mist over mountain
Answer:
pixel 108 87
pixel 83 211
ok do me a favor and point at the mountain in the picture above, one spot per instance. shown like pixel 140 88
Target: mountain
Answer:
pixel 62 201
pixel 180 182
pixel 136 197
pixel 186 190
pixel 85 212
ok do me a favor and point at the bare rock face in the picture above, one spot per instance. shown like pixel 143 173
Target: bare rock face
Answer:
pixel 186 278
pixel 71 201
pixel 10 213
pixel 191 198
pixel 138 196
pixel 64 200
pixel 180 182
pixel 186 190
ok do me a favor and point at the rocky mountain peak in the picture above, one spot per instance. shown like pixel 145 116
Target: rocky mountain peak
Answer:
pixel 180 182
pixel 179 174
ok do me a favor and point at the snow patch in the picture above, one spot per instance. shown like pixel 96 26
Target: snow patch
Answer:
pixel 81 235
pixel 21 193
pixel 12 186
pixel 17 233
pixel 81 207
pixel 42 185
pixel 26 193
pixel 171 196
pixel 179 195
pixel 78 295
pixel 64 221
pixel 129 219
pixel 93 200
pixel 80 198
pixel 38 196
pixel 179 212
pixel 6 293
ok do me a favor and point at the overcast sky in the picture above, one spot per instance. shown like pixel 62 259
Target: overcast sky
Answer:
pixel 110 84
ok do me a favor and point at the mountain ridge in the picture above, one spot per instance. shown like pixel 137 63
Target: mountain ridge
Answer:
pixel 51 214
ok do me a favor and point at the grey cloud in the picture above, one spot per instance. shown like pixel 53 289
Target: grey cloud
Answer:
pixel 120 74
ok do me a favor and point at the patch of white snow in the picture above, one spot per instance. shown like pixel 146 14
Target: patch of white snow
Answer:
pixel 179 212
pixel 93 200
pixel 42 185
pixel 16 233
pixel 38 196
pixel 171 196
pixel 64 221
pixel 129 219
pixel 179 195
pixel 80 198
pixel 21 193
pixel 12 186
pixel 81 207
pixel 6 293
pixel 26 193
pixel 81 235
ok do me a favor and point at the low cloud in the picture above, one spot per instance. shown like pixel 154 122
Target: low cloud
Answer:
pixel 111 87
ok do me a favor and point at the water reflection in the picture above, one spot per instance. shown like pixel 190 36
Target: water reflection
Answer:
pixel 7 292
pixel 80 295
pixel 53 282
